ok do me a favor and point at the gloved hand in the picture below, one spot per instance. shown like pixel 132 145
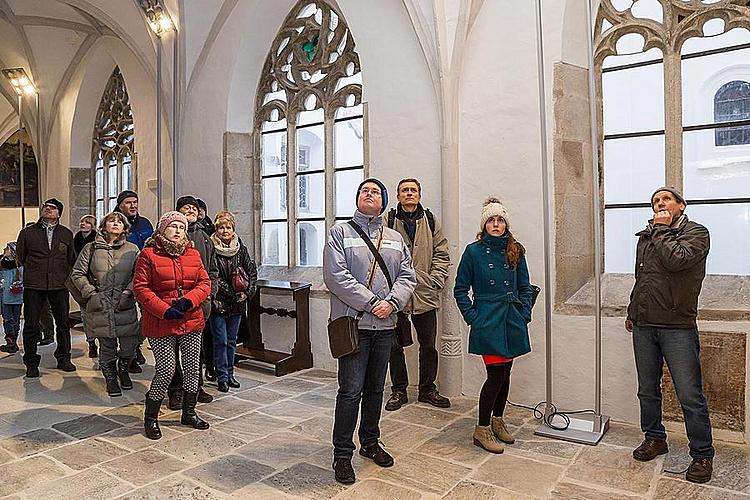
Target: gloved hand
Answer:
pixel 182 304
pixel 173 313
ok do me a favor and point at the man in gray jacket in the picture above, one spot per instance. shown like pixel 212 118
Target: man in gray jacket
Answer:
pixel 347 265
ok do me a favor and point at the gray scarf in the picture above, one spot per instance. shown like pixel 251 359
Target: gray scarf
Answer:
pixel 226 250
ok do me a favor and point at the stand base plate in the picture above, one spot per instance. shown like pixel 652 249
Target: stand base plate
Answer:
pixel 584 429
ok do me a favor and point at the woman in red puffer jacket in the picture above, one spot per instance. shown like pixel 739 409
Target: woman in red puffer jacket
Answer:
pixel 170 283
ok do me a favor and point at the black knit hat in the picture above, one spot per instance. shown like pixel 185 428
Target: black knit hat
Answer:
pixel 186 200
pixel 673 190
pixel 383 192
pixel 126 194
pixel 202 205
pixel 55 202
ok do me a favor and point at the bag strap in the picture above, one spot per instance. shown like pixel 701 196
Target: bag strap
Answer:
pixel 375 252
pixel 391 217
pixel 430 220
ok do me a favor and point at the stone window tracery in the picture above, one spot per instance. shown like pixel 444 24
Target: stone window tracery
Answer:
pixel 113 145
pixel 670 79
pixel 310 134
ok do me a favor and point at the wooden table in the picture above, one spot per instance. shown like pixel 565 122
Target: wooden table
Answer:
pixel 253 348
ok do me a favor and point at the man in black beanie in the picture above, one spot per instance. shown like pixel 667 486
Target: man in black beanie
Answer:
pixel 141 228
pixel 203 219
pixel 46 251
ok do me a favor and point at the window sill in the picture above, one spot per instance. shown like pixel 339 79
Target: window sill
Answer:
pixel 722 298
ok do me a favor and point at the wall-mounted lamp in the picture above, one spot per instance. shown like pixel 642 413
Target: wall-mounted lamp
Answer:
pixel 20 81
pixel 158 20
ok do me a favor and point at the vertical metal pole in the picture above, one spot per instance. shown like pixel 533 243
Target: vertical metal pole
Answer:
pixel 546 199
pixel 20 159
pixel 175 112
pixel 158 128
pixel 597 210
pixel 38 152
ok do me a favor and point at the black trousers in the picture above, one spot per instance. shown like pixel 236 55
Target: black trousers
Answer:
pixel 46 326
pixel 33 301
pixel 426 326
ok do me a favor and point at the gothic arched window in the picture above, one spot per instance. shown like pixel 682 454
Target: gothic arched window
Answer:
pixel 113 150
pixel 732 103
pixel 671 75
pixel 310 131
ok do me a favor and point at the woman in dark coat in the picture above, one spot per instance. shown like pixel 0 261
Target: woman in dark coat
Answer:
pixel 103 273
pixel 85 235
pixel 229 305
pixel 494 268
pixel 170 283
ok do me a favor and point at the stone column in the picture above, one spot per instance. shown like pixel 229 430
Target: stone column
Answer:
pixel 238 184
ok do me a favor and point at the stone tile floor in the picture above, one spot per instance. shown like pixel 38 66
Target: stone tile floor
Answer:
pixel 62 437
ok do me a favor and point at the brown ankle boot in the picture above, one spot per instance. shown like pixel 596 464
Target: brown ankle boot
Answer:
pixel 501 431
pixel 484 438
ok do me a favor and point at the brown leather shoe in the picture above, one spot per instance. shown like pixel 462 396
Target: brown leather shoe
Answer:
pixel 435 399
pixel 396 401
pixel 650 449
pixel 700 470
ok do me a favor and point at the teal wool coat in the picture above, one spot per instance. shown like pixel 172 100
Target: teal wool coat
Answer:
pixel 500 309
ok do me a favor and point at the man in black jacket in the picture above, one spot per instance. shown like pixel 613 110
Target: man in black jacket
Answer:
pixel 46 251
pixel 670 266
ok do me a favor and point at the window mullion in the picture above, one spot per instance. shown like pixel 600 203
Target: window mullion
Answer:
pixel 330 174
pixel 291 189
pixel 673 119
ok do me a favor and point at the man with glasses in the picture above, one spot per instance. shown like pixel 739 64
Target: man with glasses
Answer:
pixel 46 252
pixel 360 289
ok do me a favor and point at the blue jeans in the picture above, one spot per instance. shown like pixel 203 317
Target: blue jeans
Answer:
pixel 224 330
pixel 361 378
pixel 12 320
pixel 681 349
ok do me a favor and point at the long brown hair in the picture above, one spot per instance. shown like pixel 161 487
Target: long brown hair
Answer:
pixel 513 251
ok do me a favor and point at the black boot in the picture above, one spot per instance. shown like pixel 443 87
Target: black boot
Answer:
pixel 123 366
pixel 189 417
pixel 109 370
pixel 151 418
pixel 11 347
pixel 135 367
pixel 139 356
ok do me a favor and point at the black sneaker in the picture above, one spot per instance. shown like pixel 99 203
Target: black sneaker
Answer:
pixel 343 471
pixel 377 454
pixel 700 470
pixel 135 367
pixel 46 341
pixel 32 372
pixel 396 401
pixel 139 356
pixel 66 366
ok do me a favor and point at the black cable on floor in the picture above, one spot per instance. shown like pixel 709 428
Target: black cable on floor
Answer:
pixel 548 418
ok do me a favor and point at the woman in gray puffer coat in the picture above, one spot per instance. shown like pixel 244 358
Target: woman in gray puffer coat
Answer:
pixel 104 273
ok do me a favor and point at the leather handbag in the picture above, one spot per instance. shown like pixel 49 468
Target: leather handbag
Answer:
pixel 403 325
pixel 534 294
pixel 240 280
pixel 343 332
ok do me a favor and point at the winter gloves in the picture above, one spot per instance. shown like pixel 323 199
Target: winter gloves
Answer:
pixel 179 308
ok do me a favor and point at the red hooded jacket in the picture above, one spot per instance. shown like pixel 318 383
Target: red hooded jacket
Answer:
pixel 159 279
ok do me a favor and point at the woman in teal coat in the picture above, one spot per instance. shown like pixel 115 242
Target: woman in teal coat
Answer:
pixel 494 268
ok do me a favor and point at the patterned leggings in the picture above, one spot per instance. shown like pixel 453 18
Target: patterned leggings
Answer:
pixel 165 354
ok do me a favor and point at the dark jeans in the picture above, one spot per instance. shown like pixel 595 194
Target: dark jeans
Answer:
pixel 361 378
pixel 33 301
pixel 681 349
pixel 426 326
pixel 224 330
pixel 12 320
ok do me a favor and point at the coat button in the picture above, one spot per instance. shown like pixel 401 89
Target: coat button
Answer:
pixel 506 282
pixel 505 266
pixel 491 265
pixel 492 282
pixel 488 250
